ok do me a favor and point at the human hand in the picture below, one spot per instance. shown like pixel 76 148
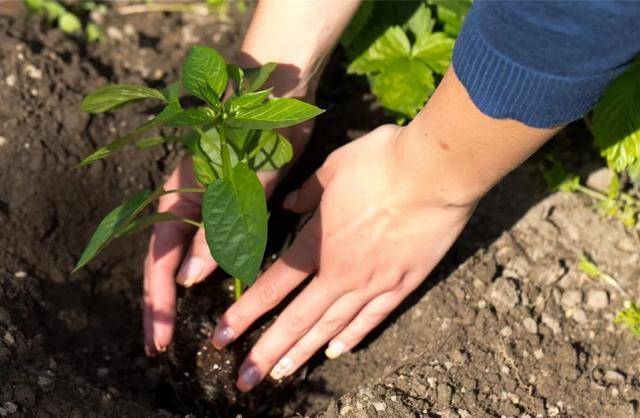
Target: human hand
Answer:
pixel 376 234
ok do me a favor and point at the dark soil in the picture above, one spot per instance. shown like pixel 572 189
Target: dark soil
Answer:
pixel 506 326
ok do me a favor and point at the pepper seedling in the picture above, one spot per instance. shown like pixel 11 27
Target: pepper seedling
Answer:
pixel 229 141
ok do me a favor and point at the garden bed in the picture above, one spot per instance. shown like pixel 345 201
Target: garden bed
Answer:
pixel 506 325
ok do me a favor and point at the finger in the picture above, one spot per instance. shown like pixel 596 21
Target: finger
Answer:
pixel 166 246
pixel 198 263
pixel 365 321
pixel 307 197
pixel 337 317
pixel 294 322
pixel 291 269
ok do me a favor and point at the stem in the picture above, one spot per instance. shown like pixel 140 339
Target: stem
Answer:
pixel 191 222
pixel 194 8
pixel 592 193
pixel 237 288
pixel 185 190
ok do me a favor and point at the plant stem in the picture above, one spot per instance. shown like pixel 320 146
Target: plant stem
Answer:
pixel 592 193
pixel 191 222
pixel 194 8
pixel 237 288
pixel 185 190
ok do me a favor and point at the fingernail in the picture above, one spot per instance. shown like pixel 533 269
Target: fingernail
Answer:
pixel 149 351
pixel 190 271
pixel 290 200
pixel 335 349
pixel 161 348
pixel 248 379
pixel 222 337
pixel 282 368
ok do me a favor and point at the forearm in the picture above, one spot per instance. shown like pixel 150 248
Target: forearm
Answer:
pixel 299 36
pixel 456 152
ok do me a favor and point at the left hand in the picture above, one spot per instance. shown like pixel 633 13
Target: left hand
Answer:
pixel 376 234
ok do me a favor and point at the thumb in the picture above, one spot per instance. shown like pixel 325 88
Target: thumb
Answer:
pixel 307 197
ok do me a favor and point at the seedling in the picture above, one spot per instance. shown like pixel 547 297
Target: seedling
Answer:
pixel 68 21
pixel 229 141
pixel 615 204
pixel 629 315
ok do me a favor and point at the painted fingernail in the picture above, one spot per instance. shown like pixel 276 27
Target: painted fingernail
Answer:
pixel 222 337
pixel 335 349
pixel 282 368
pixel 248 379
pixel 290 200
pixel 190 271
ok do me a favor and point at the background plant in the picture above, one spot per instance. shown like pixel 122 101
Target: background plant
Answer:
pixel 68 16
pixel 229 140
pixel 404 48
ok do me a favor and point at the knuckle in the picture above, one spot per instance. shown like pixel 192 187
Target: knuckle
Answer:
pixel 268 293
pixel 295 325
pixel 331 325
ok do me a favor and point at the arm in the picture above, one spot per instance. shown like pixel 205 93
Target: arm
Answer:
pixel 299 37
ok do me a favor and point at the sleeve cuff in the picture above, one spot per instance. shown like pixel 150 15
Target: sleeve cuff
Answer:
pixel 503 89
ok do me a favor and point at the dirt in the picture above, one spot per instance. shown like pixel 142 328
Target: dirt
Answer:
pixel 507 325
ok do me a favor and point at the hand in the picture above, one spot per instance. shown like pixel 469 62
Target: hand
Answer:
pixel 375 236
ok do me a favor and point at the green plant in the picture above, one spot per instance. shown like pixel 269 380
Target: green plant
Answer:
pixel 229 142
pixel 615 204
pixel 403 48
pixel 629 317
pixel 68 20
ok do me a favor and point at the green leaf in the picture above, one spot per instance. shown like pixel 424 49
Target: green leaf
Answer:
pixel 435 49
pixel 54 10
pixel 152 141
pixel 115 95
pixel 234 211
pixel 629 317
pixel 202 166
pixel 451 14
pixel 248 100
pixel 616 121
pixel 276 113
pixel 210 145
pixel 275 151
pixel 254 78
pixel 421 22
pixel 169 112
pixel 404 86
pixel 393 44
pixel 204 74
pixel 69 23
pixel 172 92
pixel 141 223
pixel 558 179
pixel 116 221
pixel 193 116
pixel 236 74
pixel 35 5
pixel 94 32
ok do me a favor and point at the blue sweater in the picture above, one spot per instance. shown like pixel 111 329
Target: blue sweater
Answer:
pixel 544 63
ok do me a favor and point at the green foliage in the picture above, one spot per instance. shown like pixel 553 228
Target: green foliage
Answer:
pixel 67 15
pixel 629 317
pixel 615 204
pixel 235 212
pixel 229 140
pixel 403 48
pixel 616 121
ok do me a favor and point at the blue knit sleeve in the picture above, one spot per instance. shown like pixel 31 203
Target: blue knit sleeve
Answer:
pixel 544 63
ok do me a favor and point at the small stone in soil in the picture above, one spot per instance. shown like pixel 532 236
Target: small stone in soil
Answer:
pixel 24 396
pixel 552 323
pixel 3 141
pixel 613 377
pixel 597 299
pixel 571 298
pixel 538 354
pixel 10 80
pixel 579 315
pixel 32 72
pixel 444 393
pixel 103 372
pixel 20 274
pixel 10 407
pixel 503 294
pixel 530 325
